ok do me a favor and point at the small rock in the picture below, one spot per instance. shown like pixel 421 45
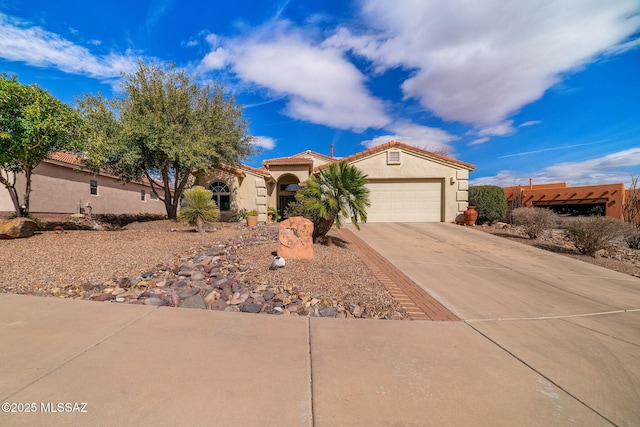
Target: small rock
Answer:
pixel 103 297
pixel 195 301
pixel 188 292
pixel 196 275
pixel 328 312
pixel 251 308
pixel 268 295
pixel 219 305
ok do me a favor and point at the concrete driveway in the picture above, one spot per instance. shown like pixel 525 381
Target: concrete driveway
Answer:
pixel 576 324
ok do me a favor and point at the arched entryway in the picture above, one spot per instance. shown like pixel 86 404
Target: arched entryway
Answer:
pixel 286 191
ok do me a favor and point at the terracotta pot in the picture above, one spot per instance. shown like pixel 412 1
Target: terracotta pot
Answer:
pixel 470 216
pixel 252 221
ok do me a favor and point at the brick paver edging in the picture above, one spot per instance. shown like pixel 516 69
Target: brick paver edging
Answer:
pixel 414 300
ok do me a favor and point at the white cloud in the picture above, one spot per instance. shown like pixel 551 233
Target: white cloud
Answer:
pixel 265 142
pixel 530 123
pixel 38 47
pixel 610 169
pixel 500 129
pixel 322 86
pixel 480 62
pixel 428 138
pixel 479 141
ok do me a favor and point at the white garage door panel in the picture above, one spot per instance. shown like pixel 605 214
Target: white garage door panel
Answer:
pixel 405 201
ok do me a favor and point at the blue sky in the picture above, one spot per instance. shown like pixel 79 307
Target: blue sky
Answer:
pixel 548 90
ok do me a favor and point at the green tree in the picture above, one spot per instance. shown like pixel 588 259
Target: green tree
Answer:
pixel 339 190
pixel 165 128
pixel 490 202
pixel 33 123
pixel 198 207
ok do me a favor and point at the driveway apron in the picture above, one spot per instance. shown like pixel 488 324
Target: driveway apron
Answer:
pixel 574 323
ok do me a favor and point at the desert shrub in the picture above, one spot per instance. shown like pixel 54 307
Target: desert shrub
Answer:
pixel 198 207
pixel 591 234
pixel 490 202
pixel 535 221
pixel 632 236
pixel 121 220
pixel 297 208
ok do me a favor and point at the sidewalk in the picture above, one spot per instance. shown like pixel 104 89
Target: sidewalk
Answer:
pixel 136 365
pixel 502 364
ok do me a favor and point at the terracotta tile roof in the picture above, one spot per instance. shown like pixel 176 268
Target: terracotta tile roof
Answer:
pixel 66 157
pixel 397 144
pixel 241 168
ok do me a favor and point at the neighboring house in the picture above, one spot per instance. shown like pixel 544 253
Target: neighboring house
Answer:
pixel 61 185
pixel 603 199
pixel 407 184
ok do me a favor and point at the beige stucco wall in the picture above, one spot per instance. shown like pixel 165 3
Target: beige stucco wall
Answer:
pixel 59 189
pixel 317 160
pixel 299 171
pixel 248 192
pixel 417 167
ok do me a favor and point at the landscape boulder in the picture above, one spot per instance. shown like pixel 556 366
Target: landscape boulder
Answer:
pixel 17 228
pixel 295 237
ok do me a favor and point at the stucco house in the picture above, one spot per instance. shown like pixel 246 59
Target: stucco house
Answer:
pixel 604 199
pixel 62 186
pixel 407 184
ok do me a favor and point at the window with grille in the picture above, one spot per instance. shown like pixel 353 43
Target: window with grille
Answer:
pixel 93 187
pixel 143 195
pixel 221 195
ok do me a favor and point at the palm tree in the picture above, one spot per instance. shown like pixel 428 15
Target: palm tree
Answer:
pixel 198 207
pixel 339 190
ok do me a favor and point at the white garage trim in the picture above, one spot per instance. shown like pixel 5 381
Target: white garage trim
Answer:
pixel 407 200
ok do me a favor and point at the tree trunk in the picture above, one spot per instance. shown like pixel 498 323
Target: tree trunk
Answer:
pixel 172 210
pixel 200 224
pixel 27 192
pixel 321 227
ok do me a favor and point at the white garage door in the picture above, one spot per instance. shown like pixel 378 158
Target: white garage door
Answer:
pixel 405 201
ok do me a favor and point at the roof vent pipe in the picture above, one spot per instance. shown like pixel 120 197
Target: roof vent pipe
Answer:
pixel 530 184
pixel 331 150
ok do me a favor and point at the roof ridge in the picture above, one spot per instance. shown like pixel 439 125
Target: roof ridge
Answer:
pixel 391 144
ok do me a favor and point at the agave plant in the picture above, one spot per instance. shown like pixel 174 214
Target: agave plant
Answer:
pixel 198 207
pixel 338 191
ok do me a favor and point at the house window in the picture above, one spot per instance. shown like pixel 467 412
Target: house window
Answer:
pixel 93 187
pixel 221 195
pixel 143 195
pixel 393 157
pixel 153 195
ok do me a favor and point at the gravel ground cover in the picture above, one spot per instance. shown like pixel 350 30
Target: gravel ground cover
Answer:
pixel 157 261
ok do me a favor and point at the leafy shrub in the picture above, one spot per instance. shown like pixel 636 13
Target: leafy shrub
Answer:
pixel 274 213
pixel 490 202
pixel 198 207
pixel 298 208
pixel 535 221
pixel 238 215
pixel 591 234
